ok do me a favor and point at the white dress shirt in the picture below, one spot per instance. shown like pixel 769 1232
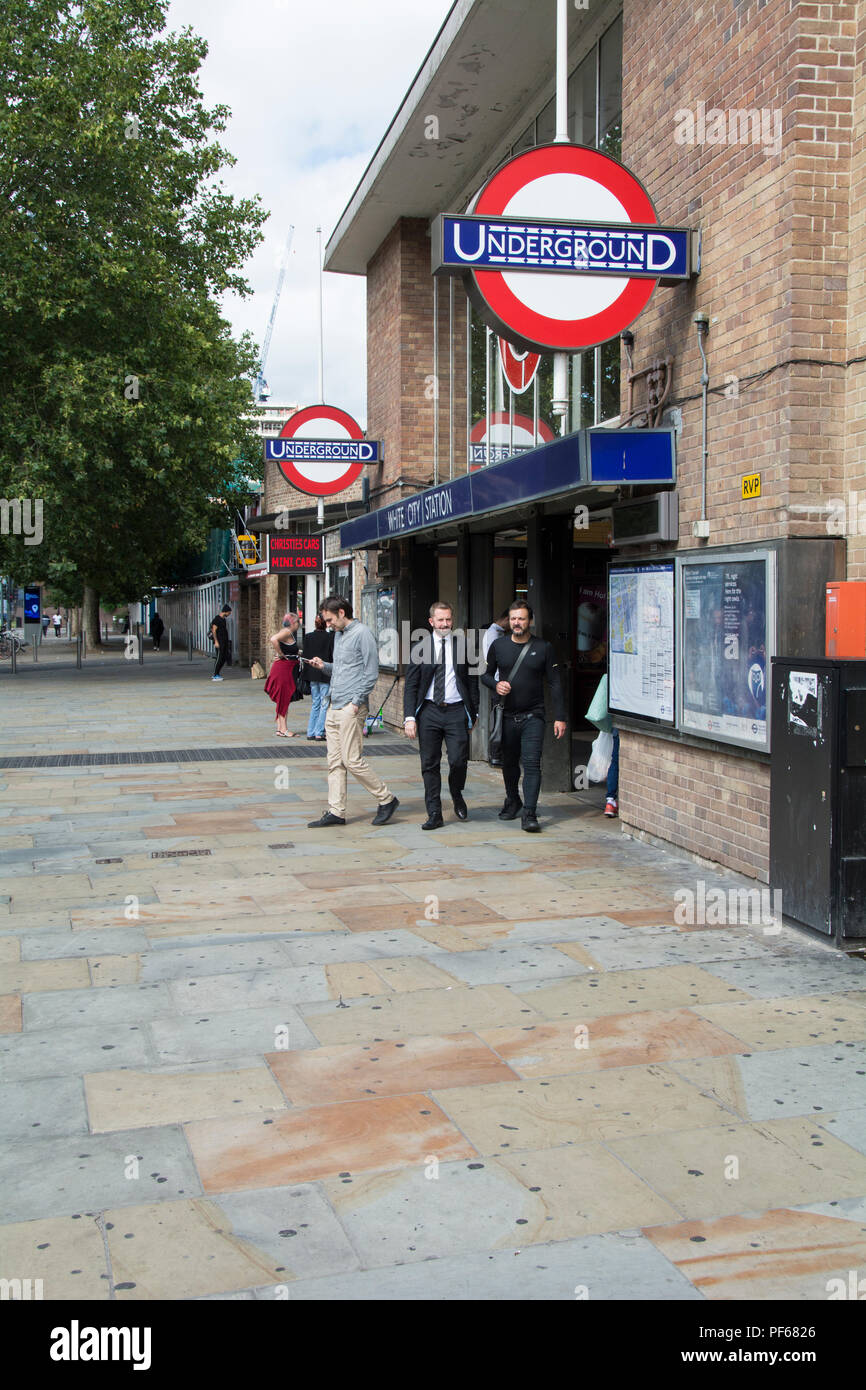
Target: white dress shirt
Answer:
pixel 452 694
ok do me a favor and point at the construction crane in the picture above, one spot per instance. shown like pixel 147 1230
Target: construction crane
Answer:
pixel 261 390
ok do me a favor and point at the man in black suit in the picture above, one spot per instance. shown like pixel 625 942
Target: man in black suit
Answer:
pixel 440 700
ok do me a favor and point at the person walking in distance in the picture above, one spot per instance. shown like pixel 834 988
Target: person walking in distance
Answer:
pixel 517 667
pixel 353 673
pixel 157 628
pixel 220 633
pixel 318 642
pixel 441 701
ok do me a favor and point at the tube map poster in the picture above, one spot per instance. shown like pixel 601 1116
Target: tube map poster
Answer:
pixel 641 669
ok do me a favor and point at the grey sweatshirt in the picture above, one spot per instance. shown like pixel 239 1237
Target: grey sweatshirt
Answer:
pixel 355 668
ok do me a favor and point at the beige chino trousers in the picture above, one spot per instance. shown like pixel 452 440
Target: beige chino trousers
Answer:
pixel 345 747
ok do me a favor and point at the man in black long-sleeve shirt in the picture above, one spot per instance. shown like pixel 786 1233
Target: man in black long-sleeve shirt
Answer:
pixel 524 715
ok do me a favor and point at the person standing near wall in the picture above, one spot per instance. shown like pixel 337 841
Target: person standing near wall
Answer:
pixel 318 642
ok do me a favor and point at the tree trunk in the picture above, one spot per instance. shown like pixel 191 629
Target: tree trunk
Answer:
pixel 91 617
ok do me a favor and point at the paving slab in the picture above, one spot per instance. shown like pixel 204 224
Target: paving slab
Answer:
pixel 449 1010
pixel 42 1108
pixel 53 1177
pixel 73 1051
pixel 724 1169
pixel 619 1267
pixel 65 1252
pixel 106 1006
pixel 194 1037
pixel 351 1072
pixel 814 1080
pixel 121 1100
pixel 785 978
pixel 322 1141
pixel 780 1254
pixel 179 1249
pixel 597 1106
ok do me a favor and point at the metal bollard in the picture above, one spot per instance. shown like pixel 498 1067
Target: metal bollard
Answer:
pixel 169 641
pixel 78 651
pixel 189 646
pixel 140 644
pixel 83 636
pixel 14 656
pixel 35 647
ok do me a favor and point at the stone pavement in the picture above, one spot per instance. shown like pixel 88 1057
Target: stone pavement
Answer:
pixel 376 1063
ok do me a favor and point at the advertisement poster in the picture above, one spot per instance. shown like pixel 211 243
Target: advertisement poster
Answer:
pixel 591 623
pixel 725 650
pixel 641 636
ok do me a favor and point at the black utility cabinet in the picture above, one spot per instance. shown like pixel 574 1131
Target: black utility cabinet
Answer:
pixel 818 794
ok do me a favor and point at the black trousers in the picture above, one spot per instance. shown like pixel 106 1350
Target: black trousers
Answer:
pixel 435 723
pixel 221 654
pixel 522 741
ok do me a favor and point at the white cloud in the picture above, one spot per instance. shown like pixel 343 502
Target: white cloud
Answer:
pixel 312 89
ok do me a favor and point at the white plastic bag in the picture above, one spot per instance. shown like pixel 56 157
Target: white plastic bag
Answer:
pixel 599 759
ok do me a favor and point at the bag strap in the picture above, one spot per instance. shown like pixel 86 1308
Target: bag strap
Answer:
pixel 515 668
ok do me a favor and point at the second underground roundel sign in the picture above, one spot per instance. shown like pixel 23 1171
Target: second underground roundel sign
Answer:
pixel 319 476
pixel 556 312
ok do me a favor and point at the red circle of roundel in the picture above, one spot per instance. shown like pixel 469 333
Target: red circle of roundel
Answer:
pixel 517 319
pixel 289 469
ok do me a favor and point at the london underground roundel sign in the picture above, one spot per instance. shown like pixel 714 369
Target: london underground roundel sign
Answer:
pixel 322 459
pixel 519 367
pixel 561 249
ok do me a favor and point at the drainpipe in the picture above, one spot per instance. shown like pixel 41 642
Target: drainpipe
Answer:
pixel 559 404
pixel 701 528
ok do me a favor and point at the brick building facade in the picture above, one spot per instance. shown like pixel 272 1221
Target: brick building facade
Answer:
pixel 746 123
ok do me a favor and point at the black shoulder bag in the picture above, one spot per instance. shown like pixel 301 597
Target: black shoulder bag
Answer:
pixel 497 714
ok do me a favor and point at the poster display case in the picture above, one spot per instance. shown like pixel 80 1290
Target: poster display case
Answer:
pixel 726 635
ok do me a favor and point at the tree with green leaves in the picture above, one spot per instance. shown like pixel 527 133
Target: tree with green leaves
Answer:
pixel 122 390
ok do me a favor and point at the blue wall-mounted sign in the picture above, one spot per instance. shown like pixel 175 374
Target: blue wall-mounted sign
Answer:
pixel 346 451
pixel 631 456
pixel 565 465
pixel 590 248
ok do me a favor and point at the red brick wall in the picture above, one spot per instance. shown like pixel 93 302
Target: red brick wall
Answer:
pixel 402 375
pixel 712 804
pixel 779 226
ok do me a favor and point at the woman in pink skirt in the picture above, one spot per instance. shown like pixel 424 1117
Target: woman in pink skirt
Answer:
pixel 280 684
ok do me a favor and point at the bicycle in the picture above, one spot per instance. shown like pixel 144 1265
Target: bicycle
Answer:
pixel 9 639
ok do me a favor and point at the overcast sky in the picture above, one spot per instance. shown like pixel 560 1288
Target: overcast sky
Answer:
pixel 312 87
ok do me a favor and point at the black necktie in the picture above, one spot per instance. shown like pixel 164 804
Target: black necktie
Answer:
pixel 439 678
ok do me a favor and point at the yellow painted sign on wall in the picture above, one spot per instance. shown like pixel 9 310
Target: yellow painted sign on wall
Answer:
pixel 752 485
pixel 247 550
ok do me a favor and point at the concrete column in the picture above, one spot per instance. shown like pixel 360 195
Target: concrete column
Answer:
pixel 549 546
pixel 480 549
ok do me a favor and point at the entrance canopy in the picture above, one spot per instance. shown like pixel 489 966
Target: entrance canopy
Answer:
pixel 585 462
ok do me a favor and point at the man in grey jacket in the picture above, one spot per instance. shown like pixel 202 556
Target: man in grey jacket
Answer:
pixel 353 673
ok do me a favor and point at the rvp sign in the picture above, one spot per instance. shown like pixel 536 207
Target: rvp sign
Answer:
pixel 752 485
pixel 561 249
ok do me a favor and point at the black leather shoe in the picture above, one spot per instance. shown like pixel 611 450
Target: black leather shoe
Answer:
pixel 511 810
pixel 385 812
pixel 460 810
pixel 529 821
pixel 433 823
pixel 326 819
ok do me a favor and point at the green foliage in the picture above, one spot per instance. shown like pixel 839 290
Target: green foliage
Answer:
pixel 121 387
